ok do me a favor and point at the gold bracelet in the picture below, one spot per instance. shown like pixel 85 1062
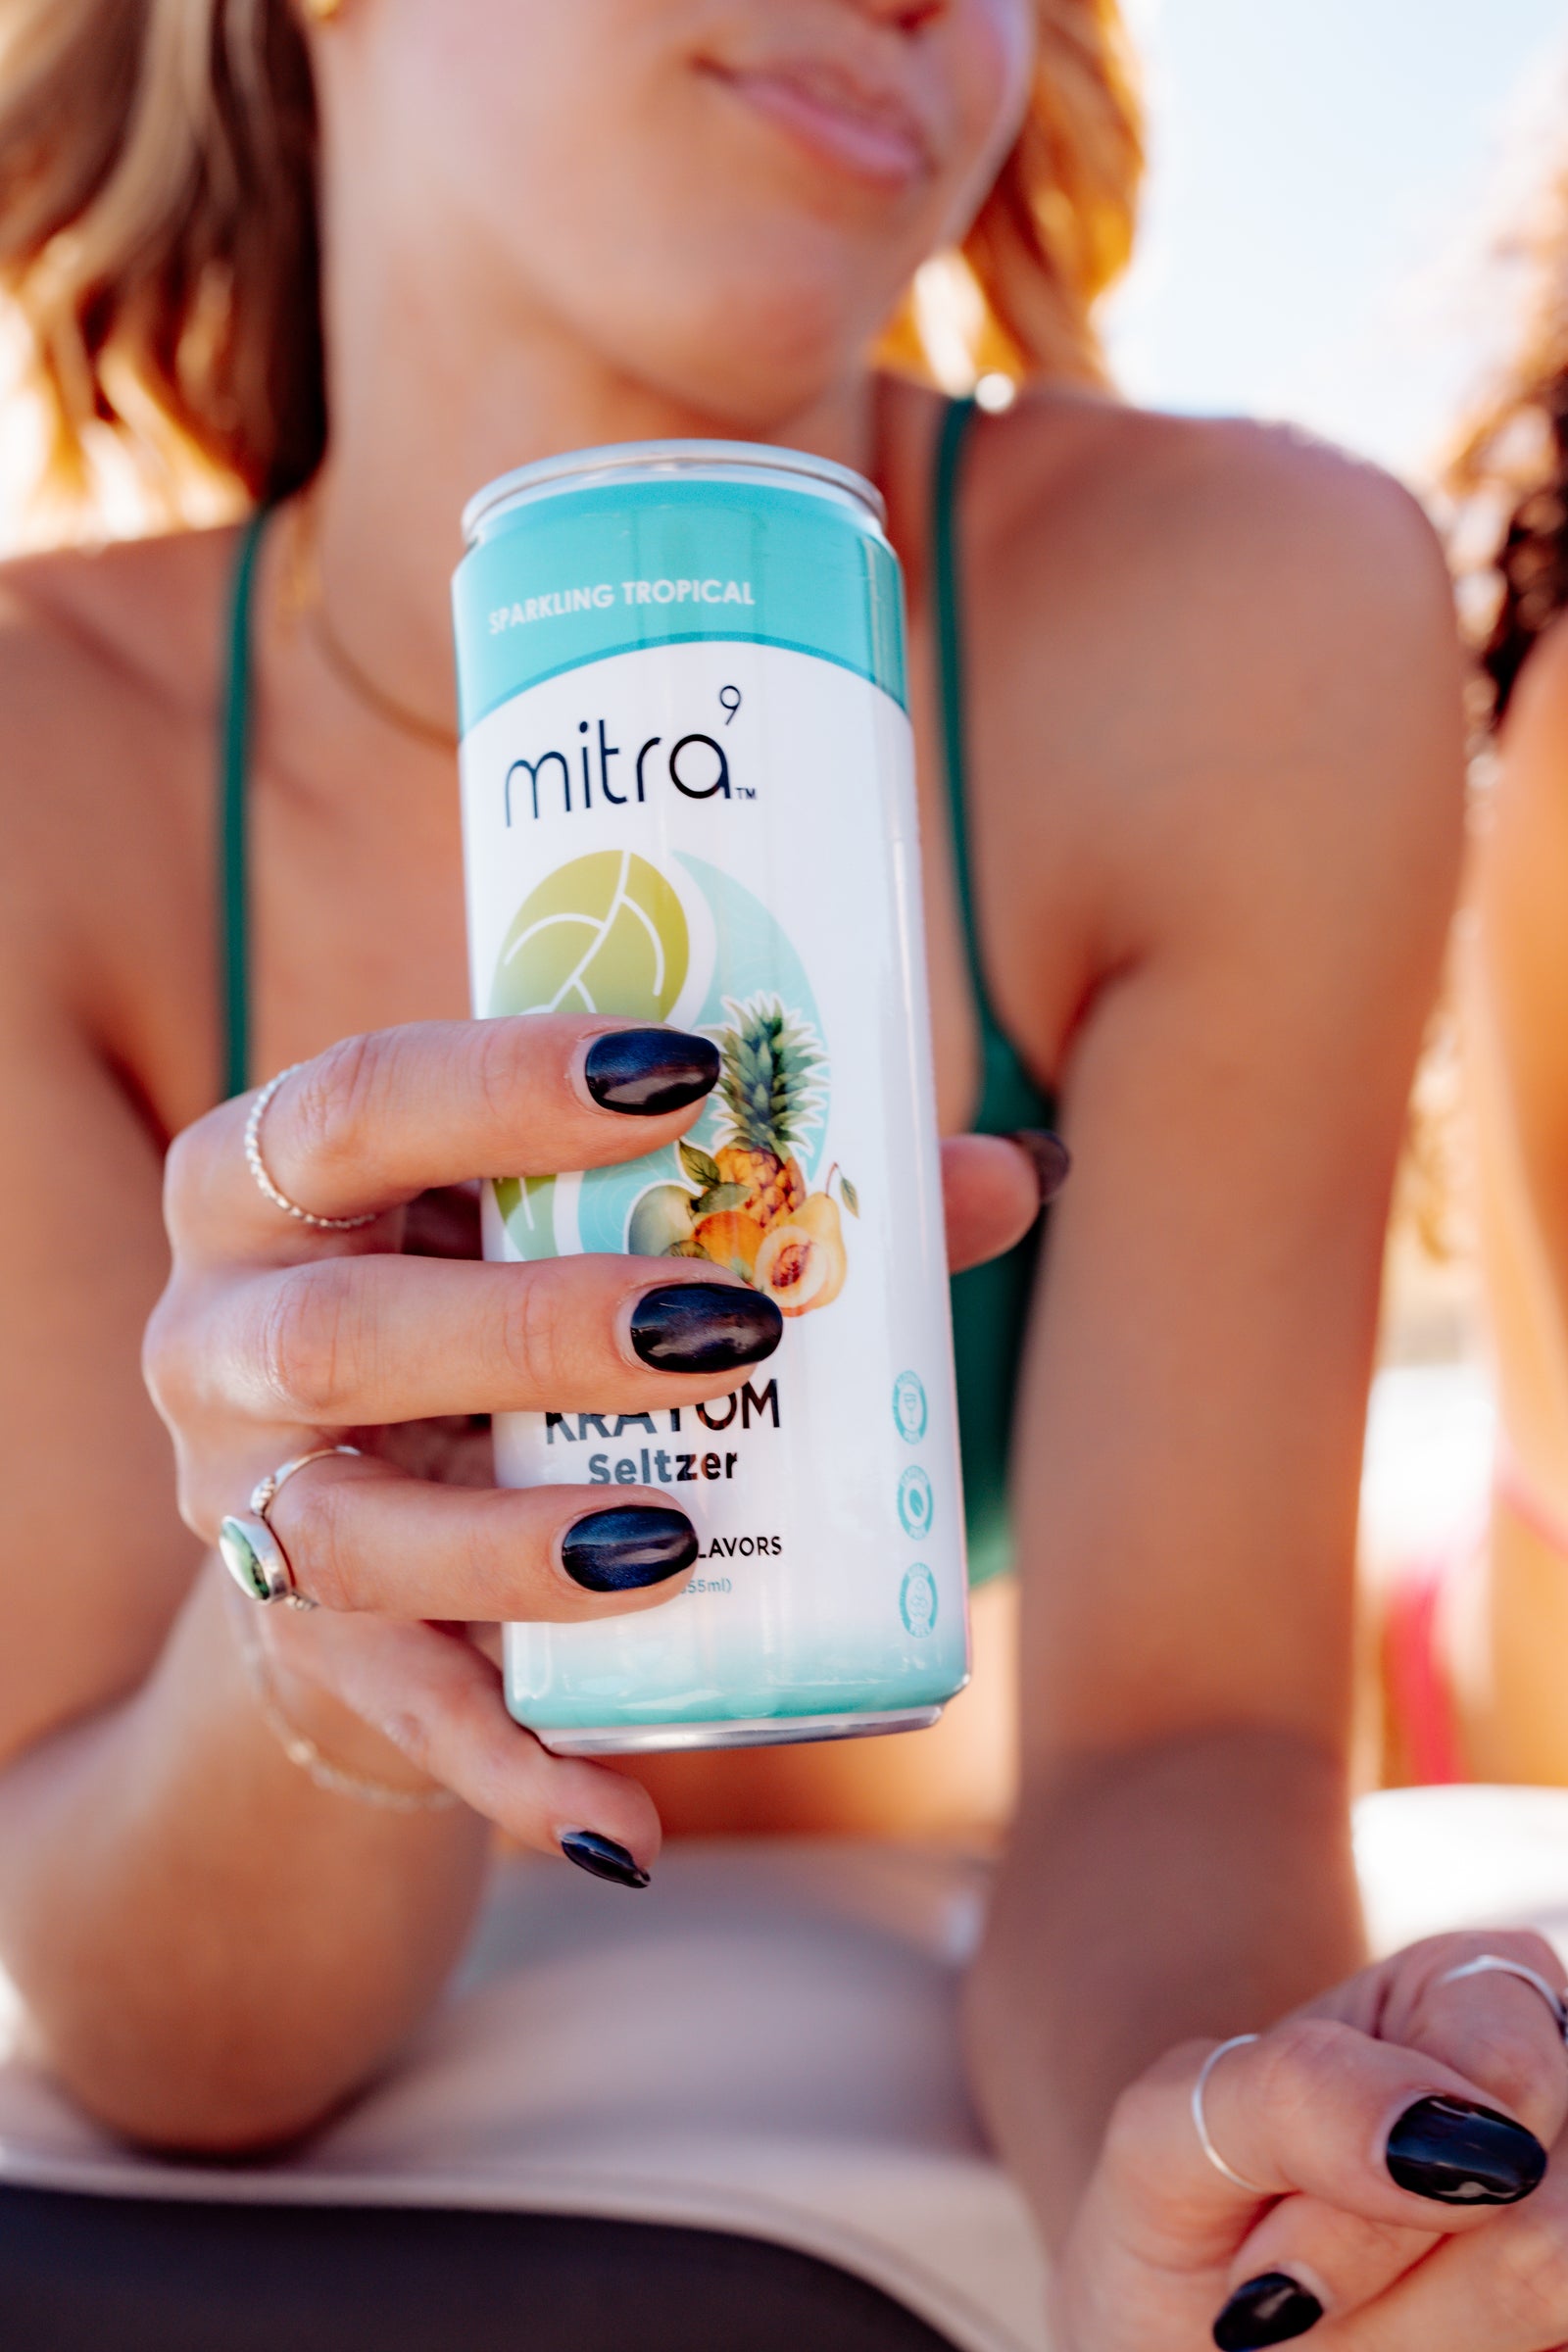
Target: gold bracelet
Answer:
pixel 302 1750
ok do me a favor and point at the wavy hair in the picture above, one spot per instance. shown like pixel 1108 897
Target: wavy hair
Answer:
pixel 159 234
pixel 1508 477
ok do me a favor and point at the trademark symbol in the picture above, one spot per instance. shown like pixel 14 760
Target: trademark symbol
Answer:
pixel 745 791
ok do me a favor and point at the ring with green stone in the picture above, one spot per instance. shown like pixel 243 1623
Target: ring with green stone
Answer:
pixel 257 1562
pixel 252 1553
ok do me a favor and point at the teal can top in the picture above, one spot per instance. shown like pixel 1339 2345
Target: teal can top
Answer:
pixel 610 551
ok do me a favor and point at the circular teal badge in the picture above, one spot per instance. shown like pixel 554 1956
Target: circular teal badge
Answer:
pixel 917 1600
pixel 914 1502
pixel 909 1407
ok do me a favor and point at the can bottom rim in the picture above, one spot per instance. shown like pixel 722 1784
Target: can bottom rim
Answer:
pixel 761 1730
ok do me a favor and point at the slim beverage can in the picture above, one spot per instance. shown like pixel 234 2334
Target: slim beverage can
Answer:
pixel 688 796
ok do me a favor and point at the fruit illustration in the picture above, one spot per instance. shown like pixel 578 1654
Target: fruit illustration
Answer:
pixel 771 1061
pixel 731 1238
pixel 660 1221
pixel 751 1211
pixel 802 1262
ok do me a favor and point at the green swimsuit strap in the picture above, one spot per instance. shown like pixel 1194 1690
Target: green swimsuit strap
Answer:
pixel 1010 1099
pixel 234 753
pixel 991 1302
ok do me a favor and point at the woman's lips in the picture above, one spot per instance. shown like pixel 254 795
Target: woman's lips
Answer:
pixel 871 136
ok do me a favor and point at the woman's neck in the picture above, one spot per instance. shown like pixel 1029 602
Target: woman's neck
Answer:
pixel 426 411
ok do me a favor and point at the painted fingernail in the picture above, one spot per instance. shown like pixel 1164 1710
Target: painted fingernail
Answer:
pixel 1053 1162
pixel 705 1327
pixel 1271 2310
pixel 619 1551
pixel 602 1858
pixel 646 1072
pixel 1457 2153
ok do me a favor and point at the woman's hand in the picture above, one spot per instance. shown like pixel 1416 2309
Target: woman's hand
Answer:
pixel 1389 2216
pixel 275 1337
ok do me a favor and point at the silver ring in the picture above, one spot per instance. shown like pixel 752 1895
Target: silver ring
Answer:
pixel 1238 2041
pixel 1493 1964
pixel 249 1546
pixel 258 1168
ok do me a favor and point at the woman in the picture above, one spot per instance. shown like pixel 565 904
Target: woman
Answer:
pixel 1211 715
pixel 1479 1651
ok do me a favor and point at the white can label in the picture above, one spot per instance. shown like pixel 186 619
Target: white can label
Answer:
pixel 722 835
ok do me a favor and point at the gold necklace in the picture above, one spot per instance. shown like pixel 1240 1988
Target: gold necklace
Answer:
pixel 303 600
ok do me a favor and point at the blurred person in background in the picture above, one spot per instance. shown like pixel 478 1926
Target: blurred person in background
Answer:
pixel 1191 834
pixel 1478 1647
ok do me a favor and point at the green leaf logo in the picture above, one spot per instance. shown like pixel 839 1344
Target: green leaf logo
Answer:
pixel 527 1203
pixel 604 933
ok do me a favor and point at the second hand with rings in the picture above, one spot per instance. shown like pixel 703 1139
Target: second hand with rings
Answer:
pixel 1488 1965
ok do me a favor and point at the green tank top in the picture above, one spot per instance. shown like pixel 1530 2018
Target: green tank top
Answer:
pixel 990 1303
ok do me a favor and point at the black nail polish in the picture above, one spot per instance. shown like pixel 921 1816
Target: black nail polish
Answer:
pixel 602 1858
pixel 646 1072
pixel 1460 2154
pixel 705 1327
pixel 1052 1158
pixel 619 1551
pixel 1271 2310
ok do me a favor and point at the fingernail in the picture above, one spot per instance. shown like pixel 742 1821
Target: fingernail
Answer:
pixel 1457 2153
pixel 1267 2311
pixel 638 1544
pixel 602 1858
pixel 646 1072
pixel 705 1327
pixel 1052 1158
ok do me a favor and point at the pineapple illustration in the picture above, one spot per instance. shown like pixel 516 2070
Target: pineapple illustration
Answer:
pixel 751 1211
pixel 770 1063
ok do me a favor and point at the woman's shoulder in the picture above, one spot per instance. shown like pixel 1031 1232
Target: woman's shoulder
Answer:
pixel 109 689
pixel 136 623
pixel 109 676
pixel 1224 506
pixel 1243 600
pixel 1217 684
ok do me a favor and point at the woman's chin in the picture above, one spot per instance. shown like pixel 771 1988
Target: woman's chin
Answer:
pixel 755 360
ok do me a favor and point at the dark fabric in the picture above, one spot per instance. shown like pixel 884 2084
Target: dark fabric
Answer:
pixel 123 2274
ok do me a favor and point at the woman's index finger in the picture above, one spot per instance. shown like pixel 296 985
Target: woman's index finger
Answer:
pixel 376 1120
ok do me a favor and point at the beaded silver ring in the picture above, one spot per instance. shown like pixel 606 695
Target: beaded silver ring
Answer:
pixel 259 1169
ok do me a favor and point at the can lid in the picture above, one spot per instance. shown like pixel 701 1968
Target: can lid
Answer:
pixel 649 459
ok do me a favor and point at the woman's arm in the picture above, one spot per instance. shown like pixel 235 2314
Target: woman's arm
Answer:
pixel 211 1949
pixel 1266 776
pixel 160 1858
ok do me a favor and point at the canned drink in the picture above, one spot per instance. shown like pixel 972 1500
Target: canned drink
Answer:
pixel 688 796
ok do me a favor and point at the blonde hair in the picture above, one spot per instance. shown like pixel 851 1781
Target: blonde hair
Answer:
pixel 158 228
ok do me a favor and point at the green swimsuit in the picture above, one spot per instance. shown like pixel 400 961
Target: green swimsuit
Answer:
pixel 990 1303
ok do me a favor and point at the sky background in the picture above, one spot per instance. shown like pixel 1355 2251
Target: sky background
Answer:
pixel 1329 180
